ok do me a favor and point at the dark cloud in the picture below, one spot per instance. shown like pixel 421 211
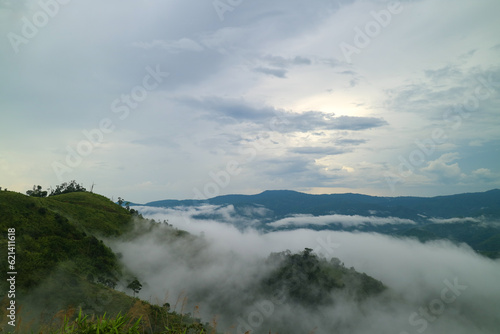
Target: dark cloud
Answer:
pixel 301 61
pixel 286 167
pixel 276 72
pixel 357 123
pixel 496 47
pixel 237 110
pixel 233 109
pixel 317 120
pixel 449 87
pixel 318 150
pixel 332 62
pixel 447 72
pixel 282 62
pixel 344 141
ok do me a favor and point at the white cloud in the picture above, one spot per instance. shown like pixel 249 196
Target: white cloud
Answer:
pixel 443 170
pixel 344 220
pixel 484 174
pixel 456 220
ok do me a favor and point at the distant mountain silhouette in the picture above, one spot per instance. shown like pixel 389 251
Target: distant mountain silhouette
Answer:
pixel 286 202
pixel 473 218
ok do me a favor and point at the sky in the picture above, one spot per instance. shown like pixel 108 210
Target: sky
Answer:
pixel 151 100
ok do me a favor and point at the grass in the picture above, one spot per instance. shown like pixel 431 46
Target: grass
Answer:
pixel 140 319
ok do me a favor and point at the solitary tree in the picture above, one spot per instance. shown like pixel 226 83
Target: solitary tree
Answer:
pixel 135 286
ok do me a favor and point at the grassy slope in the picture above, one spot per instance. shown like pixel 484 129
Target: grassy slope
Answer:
pixel 93 213
pixel 59 257
pixel 45 237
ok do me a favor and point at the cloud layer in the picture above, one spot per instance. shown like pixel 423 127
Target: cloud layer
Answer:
pixel 433 288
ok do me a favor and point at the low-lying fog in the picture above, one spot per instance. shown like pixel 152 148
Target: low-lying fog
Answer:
pixel 435 287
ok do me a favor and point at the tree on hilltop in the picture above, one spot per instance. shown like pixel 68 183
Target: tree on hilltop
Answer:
pixel 65 188
pixel 36 192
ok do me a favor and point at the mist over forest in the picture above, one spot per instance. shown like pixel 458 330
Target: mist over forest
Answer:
pixel 435 287
pixel 242 268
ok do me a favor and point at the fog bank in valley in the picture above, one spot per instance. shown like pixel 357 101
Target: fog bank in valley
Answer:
pixel 437 287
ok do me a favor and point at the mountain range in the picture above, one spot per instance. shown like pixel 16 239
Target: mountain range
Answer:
pixel 471 218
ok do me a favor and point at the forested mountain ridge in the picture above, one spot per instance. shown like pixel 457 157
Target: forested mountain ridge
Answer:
pixel 286 202
pixel 471 218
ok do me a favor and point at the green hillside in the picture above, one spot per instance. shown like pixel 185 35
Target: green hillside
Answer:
pixel 59 229
pixel 62 265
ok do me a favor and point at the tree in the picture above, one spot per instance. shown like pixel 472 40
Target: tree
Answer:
pixel 109 282
pixel 135 286
pixel 36 192
pixel 65 188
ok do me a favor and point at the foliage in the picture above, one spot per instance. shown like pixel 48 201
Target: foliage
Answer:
pixel 66 188
pixel 46 238
pixel 37 192
pixel 135 286
pixel 141 318
pixel 93 213
pixel 121 324
pixel 308 279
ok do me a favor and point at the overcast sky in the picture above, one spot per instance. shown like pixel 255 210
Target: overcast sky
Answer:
pixel 318 96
